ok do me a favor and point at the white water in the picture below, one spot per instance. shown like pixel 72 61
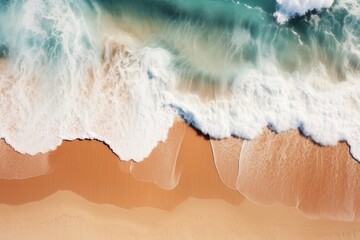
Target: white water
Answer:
pixel 100 82
pixel 290 8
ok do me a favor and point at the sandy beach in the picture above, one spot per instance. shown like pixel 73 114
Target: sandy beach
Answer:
pixel 83 183
pixel 175 119
pixel 66 215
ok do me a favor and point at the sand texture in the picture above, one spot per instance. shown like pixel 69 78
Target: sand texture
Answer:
pixel 189 187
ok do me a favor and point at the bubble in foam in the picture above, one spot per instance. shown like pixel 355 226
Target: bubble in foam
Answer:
pixel 66 82
pixel 290 8
pixel 69 75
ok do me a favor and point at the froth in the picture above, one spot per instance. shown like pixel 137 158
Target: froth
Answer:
pixel 290 8
pixel 69 83
pixel 69 77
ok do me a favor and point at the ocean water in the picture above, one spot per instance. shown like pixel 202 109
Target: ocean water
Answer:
pixel 123 71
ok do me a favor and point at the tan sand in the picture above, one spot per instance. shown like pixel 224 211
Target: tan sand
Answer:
pixel 285 168
pixel 226 154
pixel 163 161
pixel 18 166
pixel 290 169
pixel 64 215
pixel 91 170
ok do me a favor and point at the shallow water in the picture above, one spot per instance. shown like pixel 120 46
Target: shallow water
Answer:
pixel 123 71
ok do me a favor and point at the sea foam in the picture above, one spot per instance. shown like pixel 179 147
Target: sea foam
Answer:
pixel 62 85
pixel 290 8
pixel 72 70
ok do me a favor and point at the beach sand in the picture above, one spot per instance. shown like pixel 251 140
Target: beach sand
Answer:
pixel 20 166
pixel 181 192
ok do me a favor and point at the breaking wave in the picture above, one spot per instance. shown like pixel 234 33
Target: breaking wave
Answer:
pixel 123 71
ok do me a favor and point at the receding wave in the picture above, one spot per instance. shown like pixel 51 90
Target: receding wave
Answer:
pixel 123 71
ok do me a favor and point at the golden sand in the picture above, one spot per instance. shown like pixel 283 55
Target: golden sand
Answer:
pixel 65 215
pixel 180 191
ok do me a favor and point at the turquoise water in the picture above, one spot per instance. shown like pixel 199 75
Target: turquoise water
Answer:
pixel 299 45
pixel 124 71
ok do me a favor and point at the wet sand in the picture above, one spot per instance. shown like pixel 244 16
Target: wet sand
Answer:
pixel 19 166
pixel 91 170
pixel 180 191
pixel 323 182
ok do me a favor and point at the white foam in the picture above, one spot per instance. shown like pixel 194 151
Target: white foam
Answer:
pixel 101 85
pixel 75 92
pixel 290 8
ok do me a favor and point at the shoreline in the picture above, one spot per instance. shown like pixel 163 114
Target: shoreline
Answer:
pixel 272 169
pixel 85 183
